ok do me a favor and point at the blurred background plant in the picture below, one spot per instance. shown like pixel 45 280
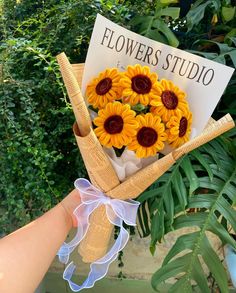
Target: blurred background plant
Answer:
pixel 39 159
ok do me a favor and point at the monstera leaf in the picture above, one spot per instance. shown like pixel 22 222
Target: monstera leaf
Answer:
pixel 197 12
pixel 155 27
pixel 168 197
pixel 199 191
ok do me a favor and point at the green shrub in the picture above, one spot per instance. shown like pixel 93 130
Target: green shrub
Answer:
pixel 39 156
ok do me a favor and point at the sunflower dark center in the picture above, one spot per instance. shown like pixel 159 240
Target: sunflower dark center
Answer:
pixel 114 124
pixel 104 86
pixel 147 136
pixel 141 84
pixel 169 99
pixel 183 124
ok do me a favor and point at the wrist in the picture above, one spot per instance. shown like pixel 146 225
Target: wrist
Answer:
pixel 69 203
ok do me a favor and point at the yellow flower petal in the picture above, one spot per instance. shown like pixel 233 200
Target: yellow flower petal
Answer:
pixel 104 88
pixel 116 125
pixel 179 128
pixel 139 85
pixel 150 136
pixel 169 100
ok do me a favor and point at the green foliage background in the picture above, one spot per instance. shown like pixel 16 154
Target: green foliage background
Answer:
pixel 39 159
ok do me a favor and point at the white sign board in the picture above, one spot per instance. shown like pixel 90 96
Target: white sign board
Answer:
pixel 203 80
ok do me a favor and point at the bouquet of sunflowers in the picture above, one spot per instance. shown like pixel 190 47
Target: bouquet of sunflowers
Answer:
pixel 128 110
pixel 124 120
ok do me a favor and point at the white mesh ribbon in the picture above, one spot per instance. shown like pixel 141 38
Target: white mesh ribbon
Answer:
pixel 117 212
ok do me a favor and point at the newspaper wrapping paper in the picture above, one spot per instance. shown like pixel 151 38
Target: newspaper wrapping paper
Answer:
pixel 96 162
pixel 117 211
pixel 134 185
pixel 73 89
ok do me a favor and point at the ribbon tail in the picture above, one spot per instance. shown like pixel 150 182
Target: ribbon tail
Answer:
pixel 99 268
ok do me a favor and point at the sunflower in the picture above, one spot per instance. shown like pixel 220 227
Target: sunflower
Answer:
pixel 150 136
pixel 104 88
pixel 179 128
pixel 139 85
pixel 170 100
pixel 116 124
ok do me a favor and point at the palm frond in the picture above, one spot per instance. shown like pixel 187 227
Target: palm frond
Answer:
pixel 212 199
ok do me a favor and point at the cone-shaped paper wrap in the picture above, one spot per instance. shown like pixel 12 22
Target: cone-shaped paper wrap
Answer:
pixel 103 176
pixel 97 239
pixel 96 162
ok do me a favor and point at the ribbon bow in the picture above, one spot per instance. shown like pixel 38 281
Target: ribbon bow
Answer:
pixel 117 211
